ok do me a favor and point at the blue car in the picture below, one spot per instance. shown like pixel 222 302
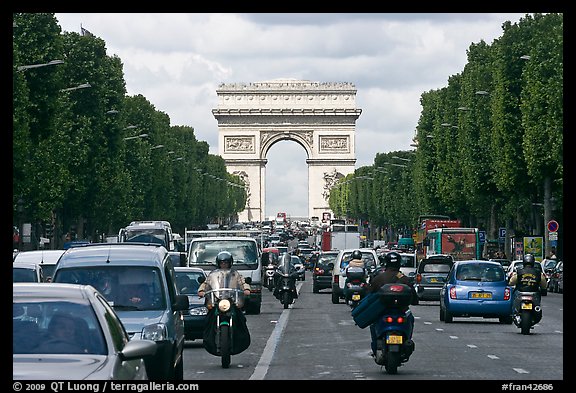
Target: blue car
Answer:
pixel 476 288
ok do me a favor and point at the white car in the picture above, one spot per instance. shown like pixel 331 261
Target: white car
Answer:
pixel 45 258
pixel 338 273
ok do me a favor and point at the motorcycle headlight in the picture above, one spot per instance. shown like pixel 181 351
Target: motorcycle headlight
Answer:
pixel 224 305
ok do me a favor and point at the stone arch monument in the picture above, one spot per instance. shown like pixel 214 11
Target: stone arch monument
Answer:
pixel 320 117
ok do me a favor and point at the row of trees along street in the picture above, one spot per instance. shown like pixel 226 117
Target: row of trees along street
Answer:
pixel 488 146
pixel 88 158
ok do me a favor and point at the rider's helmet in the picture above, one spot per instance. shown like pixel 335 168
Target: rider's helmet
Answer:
pixel 224 256
pixel 392 260
pixel 528 260
pixel 356 254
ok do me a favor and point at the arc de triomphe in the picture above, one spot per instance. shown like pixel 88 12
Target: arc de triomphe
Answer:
pixel 321 117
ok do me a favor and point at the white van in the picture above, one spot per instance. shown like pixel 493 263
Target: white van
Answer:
pixel 370 259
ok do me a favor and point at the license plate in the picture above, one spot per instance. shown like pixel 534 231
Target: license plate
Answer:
pixel 526 306
pixel 394 339
pixel 481 295
pixel 355 297
pixel 434 279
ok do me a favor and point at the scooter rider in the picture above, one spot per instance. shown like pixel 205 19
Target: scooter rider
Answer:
pixel 224 260
pixel 354 265
pixel 528 279
pixel 390 275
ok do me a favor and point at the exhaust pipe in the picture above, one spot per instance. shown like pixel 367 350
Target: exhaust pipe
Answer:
pixel 537 308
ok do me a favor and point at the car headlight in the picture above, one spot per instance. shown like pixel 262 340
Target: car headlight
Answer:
pixel 224 305
pixel 155 332
pixel 198 311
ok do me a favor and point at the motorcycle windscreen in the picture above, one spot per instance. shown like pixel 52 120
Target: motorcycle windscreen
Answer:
pixel 220 280
pixel 285 266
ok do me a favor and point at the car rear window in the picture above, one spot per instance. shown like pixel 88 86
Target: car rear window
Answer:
pixel 479 272
pixel 436 268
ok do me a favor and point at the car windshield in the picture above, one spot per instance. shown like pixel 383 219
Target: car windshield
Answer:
pixel 45 326
pixel 187 281
pixel 150 235
pixel 479 272
pixel 367 258
pixel 205 252
pixel 23 275
pixel 124 287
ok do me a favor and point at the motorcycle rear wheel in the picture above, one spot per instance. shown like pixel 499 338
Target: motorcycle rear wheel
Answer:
pixel 525 322
pixel 225 344
pixel 392 362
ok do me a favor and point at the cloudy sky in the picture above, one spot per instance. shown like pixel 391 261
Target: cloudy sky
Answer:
pixel 178 60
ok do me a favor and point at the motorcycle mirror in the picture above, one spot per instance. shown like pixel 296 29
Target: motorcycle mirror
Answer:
pixel 201 279
pixel 331 265
pixel 248 280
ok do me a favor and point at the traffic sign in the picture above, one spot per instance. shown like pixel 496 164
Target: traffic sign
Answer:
pixel 552 235
pixel 553 225
pixel 482 236
pixel 502 232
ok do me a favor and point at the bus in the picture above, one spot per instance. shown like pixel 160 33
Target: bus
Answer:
pixel 460 243
pixel 427 223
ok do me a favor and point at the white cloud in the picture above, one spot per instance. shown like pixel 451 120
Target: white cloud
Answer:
pixel 178 60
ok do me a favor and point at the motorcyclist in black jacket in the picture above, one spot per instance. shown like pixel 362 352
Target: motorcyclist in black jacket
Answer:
pixel 390 275
pixel 528 279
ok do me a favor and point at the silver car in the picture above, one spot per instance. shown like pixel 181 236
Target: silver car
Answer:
pixel 68 331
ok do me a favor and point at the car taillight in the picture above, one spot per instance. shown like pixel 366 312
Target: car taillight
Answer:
pixel 452 292
pixel 507 294
pixel 318 271
pixel 418 278
pixel 335 281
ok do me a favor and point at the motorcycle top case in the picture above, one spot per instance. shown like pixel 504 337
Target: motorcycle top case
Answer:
pixel 355 273
pixel 375 304
pixel 395 295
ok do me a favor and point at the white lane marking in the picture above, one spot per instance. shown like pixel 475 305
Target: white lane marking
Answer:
pixel 521 371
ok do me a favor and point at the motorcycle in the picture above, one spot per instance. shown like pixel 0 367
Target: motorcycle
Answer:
pixel 226 332
pixel 269 280
pixel 285 285
pixel 355 287
pixel 526 313
pixel 394 327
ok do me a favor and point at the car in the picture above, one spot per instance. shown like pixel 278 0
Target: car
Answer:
pixel 27 272
pixel 139 281
pixel 46 258
pixel 503 261
pixel 322 270
pixel 299 267
pixel 517 264
pixel 197 314
pixel 97 346
pixel 556 284
pixel 431 274
pixel 476 288
pixel 408 264
pixel 338 273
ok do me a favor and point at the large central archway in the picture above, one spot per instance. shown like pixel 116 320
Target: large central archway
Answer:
pixel 321 117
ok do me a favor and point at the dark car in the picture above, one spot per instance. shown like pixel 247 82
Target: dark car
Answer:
pixel 67 331
pixel 197 314
pixel 476 288
pixel 322 271
pixel 556 284
pixel 138 281
pixel 431 274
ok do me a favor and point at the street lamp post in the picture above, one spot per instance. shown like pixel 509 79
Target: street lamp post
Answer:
pixel 136 136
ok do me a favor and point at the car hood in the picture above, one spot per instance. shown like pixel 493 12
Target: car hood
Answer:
pixel 55 367
pixel 134 321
